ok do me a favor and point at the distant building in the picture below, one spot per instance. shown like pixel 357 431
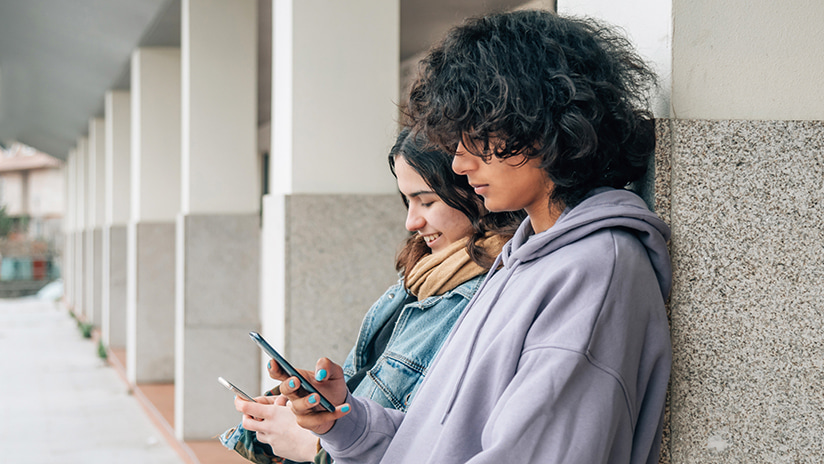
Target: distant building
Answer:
pixel 31 214
pixel 32 192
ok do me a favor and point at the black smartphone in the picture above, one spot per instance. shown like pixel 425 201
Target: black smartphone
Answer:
pixel 284 364
pixel 237 391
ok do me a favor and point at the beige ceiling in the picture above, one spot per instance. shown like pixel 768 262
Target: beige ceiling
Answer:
pixel 59 57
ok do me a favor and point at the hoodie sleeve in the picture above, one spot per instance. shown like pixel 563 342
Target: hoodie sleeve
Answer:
pixel 363 435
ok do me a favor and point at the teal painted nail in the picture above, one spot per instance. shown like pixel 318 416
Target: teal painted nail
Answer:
pixel 320 375
pixel 344 409
pixel 312 399
pixel 291 383
pixel 269 365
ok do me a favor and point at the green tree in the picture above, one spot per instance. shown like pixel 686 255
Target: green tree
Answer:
pixel 6 222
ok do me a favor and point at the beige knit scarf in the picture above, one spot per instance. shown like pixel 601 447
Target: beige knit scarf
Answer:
pixel 440 272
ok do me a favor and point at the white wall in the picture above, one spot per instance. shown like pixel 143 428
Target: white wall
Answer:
pixel 12 185
pixel 46 189
pixel 740 59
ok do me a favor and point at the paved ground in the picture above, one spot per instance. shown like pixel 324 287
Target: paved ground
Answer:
pixel 59 402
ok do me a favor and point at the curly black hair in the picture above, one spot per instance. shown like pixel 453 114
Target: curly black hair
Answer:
pixel 570 91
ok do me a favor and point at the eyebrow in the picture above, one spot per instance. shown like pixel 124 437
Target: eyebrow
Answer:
pixel 419 193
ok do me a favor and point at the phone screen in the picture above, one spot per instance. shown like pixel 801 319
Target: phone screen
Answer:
pixel 284 364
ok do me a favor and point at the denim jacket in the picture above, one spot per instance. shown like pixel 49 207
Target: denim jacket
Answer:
pixel 421 329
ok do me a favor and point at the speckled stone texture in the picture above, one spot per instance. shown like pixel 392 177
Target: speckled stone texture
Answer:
pixel 340 259
pixel 657 193
pixel 747 308
pixel 218 303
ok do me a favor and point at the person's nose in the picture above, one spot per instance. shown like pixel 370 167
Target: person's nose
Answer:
pixel 462 161
pixel 414 220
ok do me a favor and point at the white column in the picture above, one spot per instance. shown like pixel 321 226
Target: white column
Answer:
pixel 155 202
pixel 117 203
pixel 335 91
pixel 219 228
pixel 648 24
pixel 79 238
pixel 68 264
pixel 96 171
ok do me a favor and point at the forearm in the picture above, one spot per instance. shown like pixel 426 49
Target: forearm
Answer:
pixel 363 435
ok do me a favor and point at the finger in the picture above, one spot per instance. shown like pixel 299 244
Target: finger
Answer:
pixel 281 400
pixel 266 399
pixel 321 422
pixel 240 404
pixel 275 371
pixel 252 424
pixel 289 388
pixel 254 410
pixel 326 370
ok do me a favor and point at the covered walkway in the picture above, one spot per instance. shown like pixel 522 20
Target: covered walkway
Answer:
pixel 61 403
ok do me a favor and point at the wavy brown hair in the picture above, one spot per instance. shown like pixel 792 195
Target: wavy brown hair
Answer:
pixel 434 165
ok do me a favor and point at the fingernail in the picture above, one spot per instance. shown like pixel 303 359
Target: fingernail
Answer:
pixel 291 383
pixel 344 408
pixel 321 374
pixel 269 365
pixel 312 399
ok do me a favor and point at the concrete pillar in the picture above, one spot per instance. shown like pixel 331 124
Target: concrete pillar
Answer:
pixel 218 230
pixel 155 203
pixel 94 239
pixel 67 265
pixel 80 230
pixel 117 203
pixel 747 188
pixel 333 218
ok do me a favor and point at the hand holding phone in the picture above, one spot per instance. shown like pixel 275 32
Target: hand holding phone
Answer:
pixel 286 367
pixel 237 391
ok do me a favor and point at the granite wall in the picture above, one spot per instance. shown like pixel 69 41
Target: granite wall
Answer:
pixel 744 199
pixel 340 258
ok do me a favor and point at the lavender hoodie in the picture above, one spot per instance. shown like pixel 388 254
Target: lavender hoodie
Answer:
pixel 563 355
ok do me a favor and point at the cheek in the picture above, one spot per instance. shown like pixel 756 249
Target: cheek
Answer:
pixel 459 226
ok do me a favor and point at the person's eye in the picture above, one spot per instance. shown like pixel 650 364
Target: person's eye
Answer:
pixel 427 205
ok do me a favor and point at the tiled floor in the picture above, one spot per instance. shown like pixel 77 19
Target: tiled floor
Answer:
pixel 158 400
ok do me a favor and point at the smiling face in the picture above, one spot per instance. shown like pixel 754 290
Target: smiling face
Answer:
pixel 509 184
pixel 439 224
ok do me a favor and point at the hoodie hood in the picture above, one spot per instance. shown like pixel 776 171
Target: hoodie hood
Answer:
pixel 603 208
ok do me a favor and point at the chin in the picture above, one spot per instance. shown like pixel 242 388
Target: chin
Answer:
pixel 493 208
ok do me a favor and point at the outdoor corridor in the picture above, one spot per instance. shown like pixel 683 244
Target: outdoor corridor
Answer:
pixel 60 403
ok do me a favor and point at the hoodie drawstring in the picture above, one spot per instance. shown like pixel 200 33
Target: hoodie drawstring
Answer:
pixel 477 332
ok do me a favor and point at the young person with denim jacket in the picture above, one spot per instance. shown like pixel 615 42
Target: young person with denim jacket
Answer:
pixel 442 265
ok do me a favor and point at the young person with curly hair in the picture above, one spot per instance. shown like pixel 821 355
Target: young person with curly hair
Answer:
pixel 563 355
pixel 455 240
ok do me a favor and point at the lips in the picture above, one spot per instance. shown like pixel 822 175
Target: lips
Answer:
pixel 480 188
